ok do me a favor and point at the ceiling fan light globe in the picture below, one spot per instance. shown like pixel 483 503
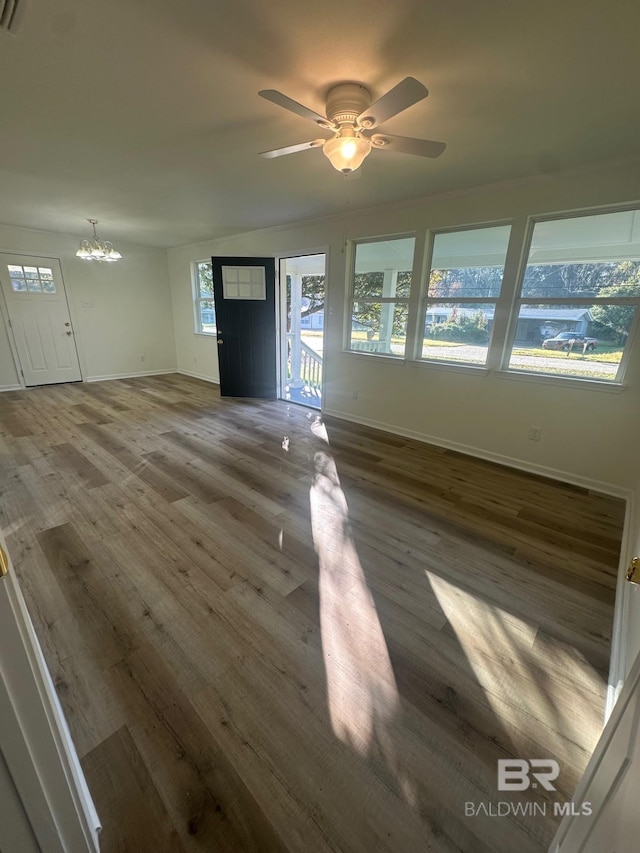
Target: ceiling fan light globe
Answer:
pixel 346 153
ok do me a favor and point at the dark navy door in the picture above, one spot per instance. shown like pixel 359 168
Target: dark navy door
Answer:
pixel 244 291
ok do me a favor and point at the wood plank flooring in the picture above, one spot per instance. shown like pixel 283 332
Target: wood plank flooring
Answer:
pixel 324 643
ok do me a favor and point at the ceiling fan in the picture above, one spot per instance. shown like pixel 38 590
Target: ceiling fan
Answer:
pixel 351 117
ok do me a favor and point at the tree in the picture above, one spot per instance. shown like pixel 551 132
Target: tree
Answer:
pixel 465 282
pixel 583 280
pixel 205 279
pixel 369 286
pixel 615 320
pixel 313 296
pixel 463 327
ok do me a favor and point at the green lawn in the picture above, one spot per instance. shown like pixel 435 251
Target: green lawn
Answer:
pixel 605 353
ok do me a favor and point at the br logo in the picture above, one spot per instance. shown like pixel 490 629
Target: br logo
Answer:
pixel 519 774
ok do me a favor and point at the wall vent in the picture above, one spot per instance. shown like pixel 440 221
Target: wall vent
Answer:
pixel 11 15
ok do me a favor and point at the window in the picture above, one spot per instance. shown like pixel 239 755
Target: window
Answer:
pixel 31 279
pixel 463 287
pixel 379 298
pixel 205 312
pixel 579 297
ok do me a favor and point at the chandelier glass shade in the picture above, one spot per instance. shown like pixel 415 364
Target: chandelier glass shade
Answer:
pixel 97 250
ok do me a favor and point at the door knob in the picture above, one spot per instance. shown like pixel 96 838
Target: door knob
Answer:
pixel 219 342
pixel 68 333
pixel 67 324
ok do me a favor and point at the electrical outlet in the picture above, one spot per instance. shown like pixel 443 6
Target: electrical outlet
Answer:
pixel 355 395
pixel 143 358
pixel 535 433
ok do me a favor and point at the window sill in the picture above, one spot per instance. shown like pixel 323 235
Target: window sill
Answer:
pixel 562 381
pixel 205 334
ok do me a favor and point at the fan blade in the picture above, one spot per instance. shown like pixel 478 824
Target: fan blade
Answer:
pixel 408 145
pixel 293 106
pixel 407 93
pixel 292 149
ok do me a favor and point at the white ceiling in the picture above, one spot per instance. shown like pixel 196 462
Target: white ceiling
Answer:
pixel 144 114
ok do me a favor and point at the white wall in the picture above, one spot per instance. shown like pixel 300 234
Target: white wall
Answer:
pixel 586 434
pixel 119 311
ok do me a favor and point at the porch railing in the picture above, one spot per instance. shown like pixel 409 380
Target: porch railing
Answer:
pixel 304 365
pixel 310 366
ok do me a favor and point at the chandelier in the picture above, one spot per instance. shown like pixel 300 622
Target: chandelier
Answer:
pixel 96 250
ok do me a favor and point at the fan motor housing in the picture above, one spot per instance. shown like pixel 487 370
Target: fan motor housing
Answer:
pixel 346 101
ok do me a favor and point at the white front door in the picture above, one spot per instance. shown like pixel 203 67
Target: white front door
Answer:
pixel 44 801
pixel 39 318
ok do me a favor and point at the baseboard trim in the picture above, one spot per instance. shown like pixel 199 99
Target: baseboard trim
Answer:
pixel 130 375
pixel 10 388
pixel 499 458
pixel 198 376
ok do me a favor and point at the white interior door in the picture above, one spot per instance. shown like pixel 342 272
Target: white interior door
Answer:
pixel 604 816
pixel 44 801
pixel 39 317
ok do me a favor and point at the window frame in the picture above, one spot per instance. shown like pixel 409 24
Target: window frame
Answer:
pixel 519 301
pixel 198 299
pixel 27 278
pixel 352 299
pixel 426 300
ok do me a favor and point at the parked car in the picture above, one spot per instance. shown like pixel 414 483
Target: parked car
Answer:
pixel 563 341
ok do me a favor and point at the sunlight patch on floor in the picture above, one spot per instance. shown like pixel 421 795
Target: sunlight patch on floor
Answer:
pixel 515 674
pixel 362 694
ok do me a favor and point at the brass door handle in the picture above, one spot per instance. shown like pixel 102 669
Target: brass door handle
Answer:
pixel 219 342
pixel 68 333
pixel 67 324
pixel 4 563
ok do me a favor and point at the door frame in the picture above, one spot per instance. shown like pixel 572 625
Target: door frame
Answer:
pixel 281 307
pixel 4 313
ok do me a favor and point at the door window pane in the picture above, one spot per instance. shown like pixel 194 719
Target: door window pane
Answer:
pixel 244 283
pixel 18 283
pixel 31 279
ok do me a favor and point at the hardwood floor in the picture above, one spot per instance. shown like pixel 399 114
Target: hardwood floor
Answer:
pixel 273 633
